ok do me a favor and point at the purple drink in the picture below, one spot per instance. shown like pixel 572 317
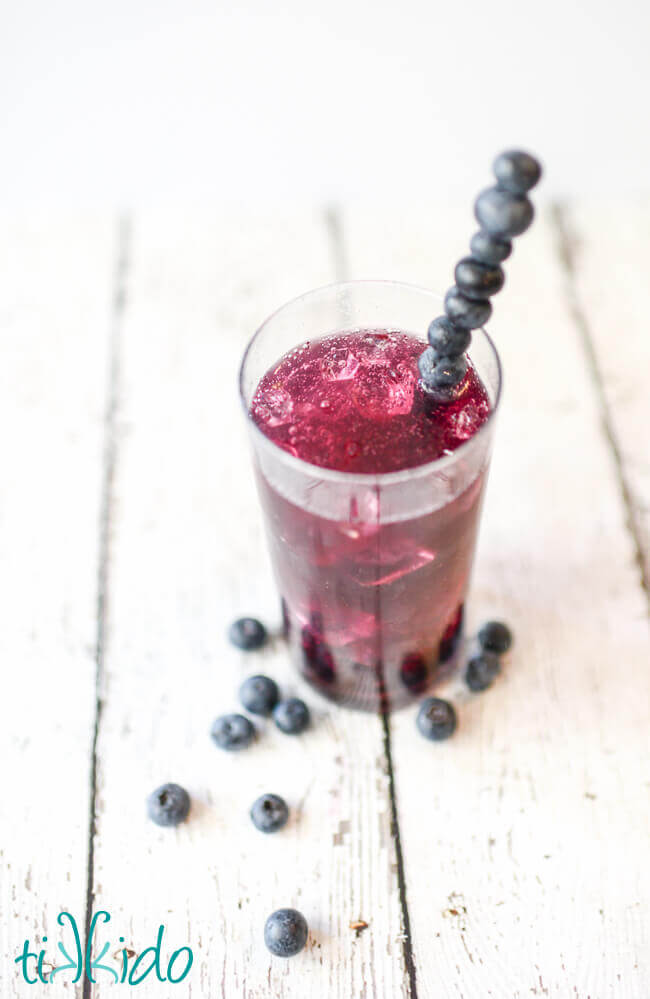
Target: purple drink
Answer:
pixel 372 498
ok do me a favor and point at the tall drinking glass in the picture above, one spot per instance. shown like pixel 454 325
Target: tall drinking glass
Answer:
pixel 372 569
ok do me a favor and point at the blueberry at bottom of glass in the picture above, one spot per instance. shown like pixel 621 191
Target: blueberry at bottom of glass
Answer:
pixel 372 683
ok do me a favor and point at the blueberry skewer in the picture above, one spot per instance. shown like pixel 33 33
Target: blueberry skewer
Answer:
pixel 502 211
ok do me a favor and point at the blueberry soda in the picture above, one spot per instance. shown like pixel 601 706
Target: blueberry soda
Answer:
pixel 371 490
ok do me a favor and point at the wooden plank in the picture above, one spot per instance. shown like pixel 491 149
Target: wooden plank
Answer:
pixel 606 249
pixel 55 304
pixel 525 843
pixel 187 557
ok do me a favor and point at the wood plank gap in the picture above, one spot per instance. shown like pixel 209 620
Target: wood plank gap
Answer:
pixel 336 231
pixel 567 243
pixel 109 464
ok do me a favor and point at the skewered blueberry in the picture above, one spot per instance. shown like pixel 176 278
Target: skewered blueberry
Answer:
pixel 259 694
pixel 269 813
pixel 503 213
pixel 441 372
pixel 516 171
pixel 489 249
pixel 478 280
pixel 247 633
pixel 285 932
pixel 168 805
pixel 495 636
pixel 436 719
pixel 446 339
pixel 465 312
pixel 232 732
pixel 291 716
pixel 481 671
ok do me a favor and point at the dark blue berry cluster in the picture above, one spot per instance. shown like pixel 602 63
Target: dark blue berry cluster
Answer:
pixel 502 211
pixel 494 639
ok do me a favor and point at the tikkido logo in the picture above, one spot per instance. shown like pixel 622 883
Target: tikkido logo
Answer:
pixel 37 968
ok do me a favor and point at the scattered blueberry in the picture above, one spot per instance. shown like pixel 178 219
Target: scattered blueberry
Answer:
pixel 478 280
pixel 495 636
pixel 291 716
pixel 436 719
pixel 247 633
pixel 414 672
pixel 285 932
pixel 489 249
pixel 464 312
pixel 446 339
pixel 168 805
pixel 481 671
pixel 516 171
pixel 232 732
pixel 259 694
pixel 269 813
pixel 502 213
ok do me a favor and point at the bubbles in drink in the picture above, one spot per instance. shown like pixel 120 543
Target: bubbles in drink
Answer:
pixel 352 402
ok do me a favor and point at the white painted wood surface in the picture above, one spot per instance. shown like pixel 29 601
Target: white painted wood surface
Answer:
pixel 526 844
pixel 525 838
pixel 55 308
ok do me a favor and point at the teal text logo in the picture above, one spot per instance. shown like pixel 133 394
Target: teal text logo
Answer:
pixel 89 960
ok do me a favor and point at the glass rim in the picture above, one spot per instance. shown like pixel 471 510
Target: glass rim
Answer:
pixel 366 478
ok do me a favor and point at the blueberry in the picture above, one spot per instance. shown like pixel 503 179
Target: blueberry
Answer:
pixel 481 671
pixel 269 813
pixel 516 171
pixel 414 673
pixel 168 805
pixel 489 249
pixel 441 372
pixel 464 312
pixel 285 932
pixel 495 636
pixel 449 371
pixel 232 732
pixel 478 280
pixel 259 694
pixel 502 213
pixel 291 716
pixel 247 633
pixel 446 339
pixel 451 635
pixel 436 719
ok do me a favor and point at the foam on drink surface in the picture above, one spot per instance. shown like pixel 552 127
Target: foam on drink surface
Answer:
pixel 352 402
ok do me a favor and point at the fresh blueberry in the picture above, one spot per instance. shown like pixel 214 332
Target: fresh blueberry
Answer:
pixel 414 673
pixel 502 213
pixel 291 716
pixel 489 249
pixel 436 719
pixel 285 932
pixel 259 694
pixel 495 636
pixel 446 339
pixel 464 312
pixel 451 635
pixel 481 671
pixel 441 372
pixel 269 813
pixel 247 633
pixel 232 732
pixel 516 171
pixel 168 805
pixel 478 280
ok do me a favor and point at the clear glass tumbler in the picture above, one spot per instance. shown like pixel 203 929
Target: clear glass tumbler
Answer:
pixel 372 569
